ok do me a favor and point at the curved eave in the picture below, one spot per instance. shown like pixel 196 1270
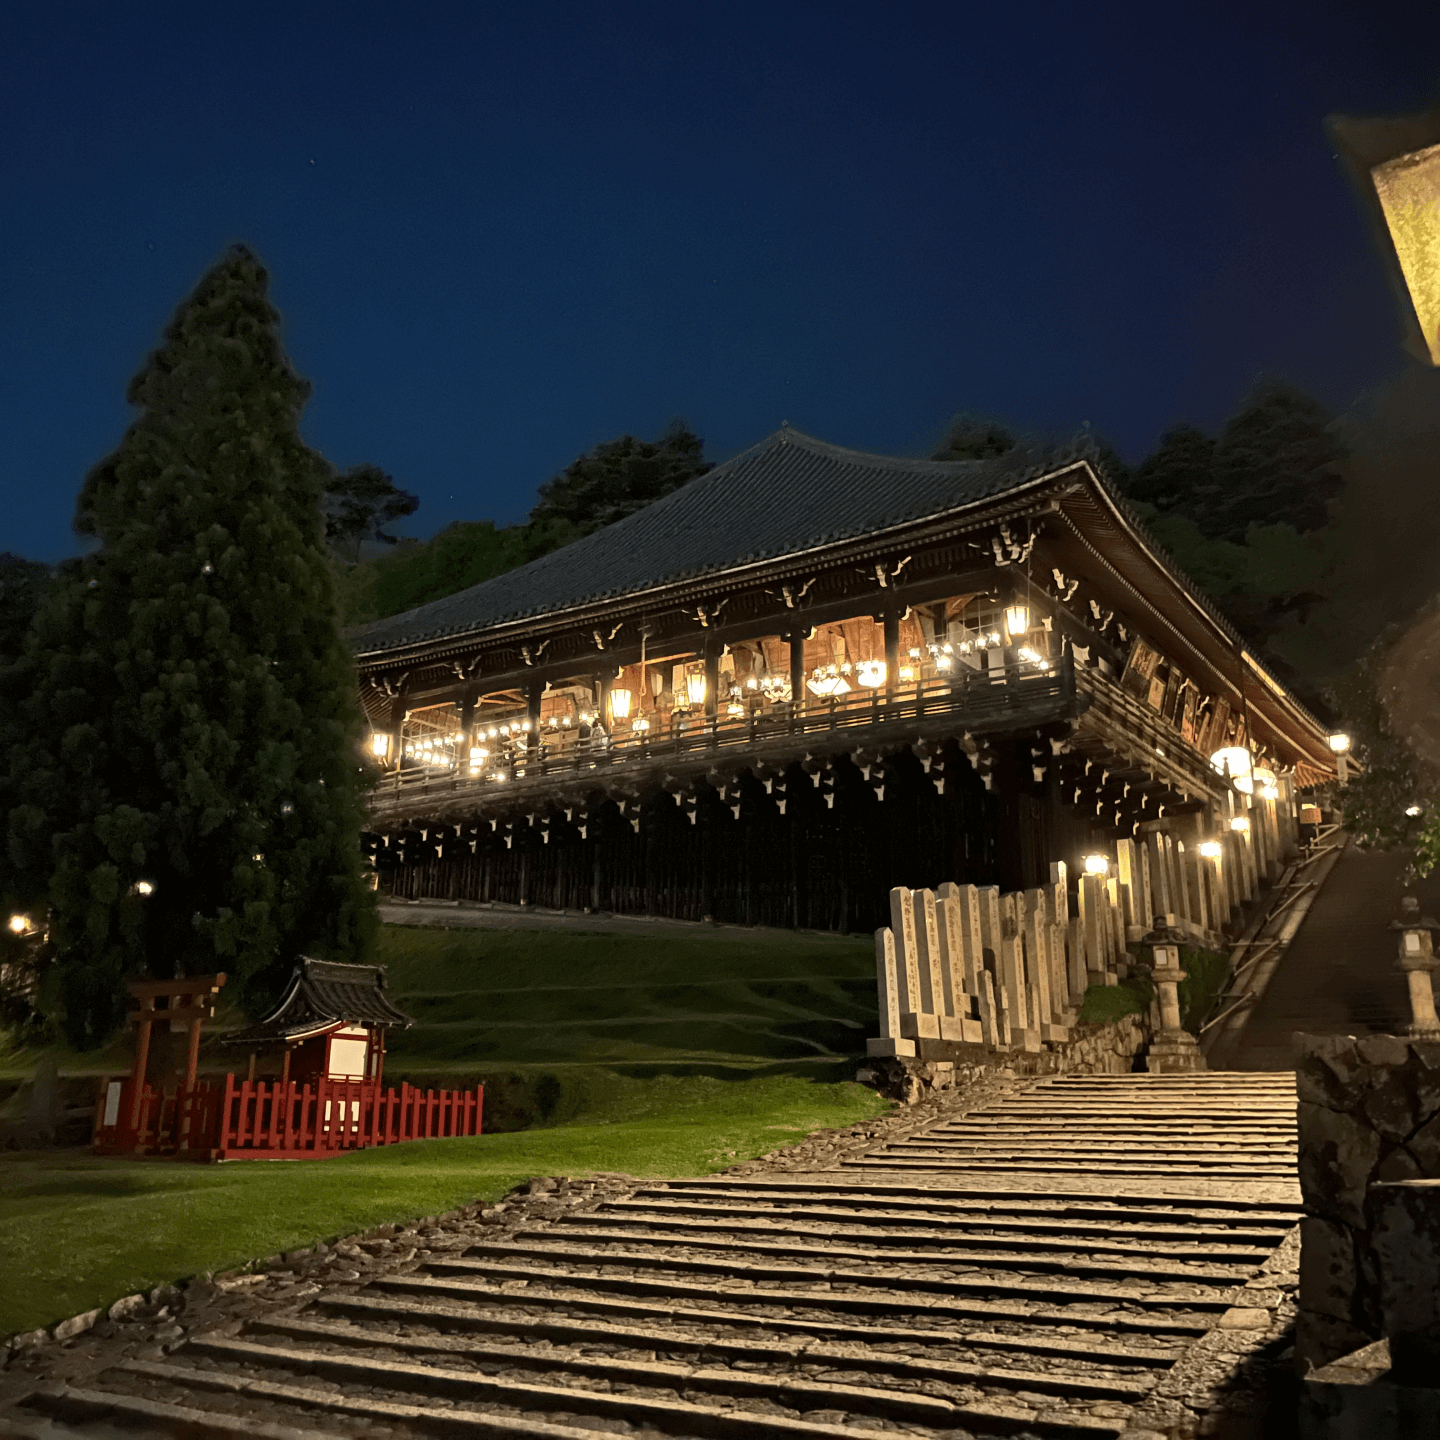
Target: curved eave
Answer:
pixel 1142 565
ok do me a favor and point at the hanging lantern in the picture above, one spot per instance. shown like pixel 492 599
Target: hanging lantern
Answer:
pixel 872 674
pixel 19 924
pixel 620 704
pixel 1211 849
pixel 1239 824
pixel 695 687
pixel 1017 620
pixel 1097 864
pixel 1236 759
pixel 380 744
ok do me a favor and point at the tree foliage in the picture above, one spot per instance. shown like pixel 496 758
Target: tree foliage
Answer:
pixel 971 437
pixel 1394 780
pixel 359 504
pixel 1278 461
pixel 619 477
pixel 191 719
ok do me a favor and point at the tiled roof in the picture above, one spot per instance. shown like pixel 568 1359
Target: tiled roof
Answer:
pixel 785 496
pixel 322 992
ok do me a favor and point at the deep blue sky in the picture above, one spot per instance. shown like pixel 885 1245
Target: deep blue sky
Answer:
pixel 502 233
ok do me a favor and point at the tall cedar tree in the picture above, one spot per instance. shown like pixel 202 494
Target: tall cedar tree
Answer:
pixel 194 722
pixel 619 477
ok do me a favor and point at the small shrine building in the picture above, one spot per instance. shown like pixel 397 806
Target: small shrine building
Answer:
pixel 814 674
pixel 329 1024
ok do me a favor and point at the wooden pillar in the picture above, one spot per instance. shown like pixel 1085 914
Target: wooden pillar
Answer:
pixel 797 668
pixel 142 1056
pixel 891 622
pixel 192 1056
pixel 467 723
pixel 712 678
pixel 285 1065
pixel 250 1073
pixel 396 731
pixel 533 692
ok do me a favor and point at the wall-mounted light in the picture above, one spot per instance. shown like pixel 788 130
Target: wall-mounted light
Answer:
pixel 1211 849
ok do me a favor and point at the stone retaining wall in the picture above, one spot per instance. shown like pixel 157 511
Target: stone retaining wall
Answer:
pixel 1106 1049
pixel 1369 1111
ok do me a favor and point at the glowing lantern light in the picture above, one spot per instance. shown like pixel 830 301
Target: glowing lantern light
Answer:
pixel 1211 849
pixel 1339 743
pixel 19 924
pixel 1097 864
pixel 1017 620
pixel 695 688
pixel 380 745
pixel 871 674
pixel 620 704
pixel 1236 759
pixel 1239 824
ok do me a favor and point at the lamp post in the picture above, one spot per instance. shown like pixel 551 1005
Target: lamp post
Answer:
pixel 1394 164
pixel 1417 961
pixel 1340 748
pixel 1174 1051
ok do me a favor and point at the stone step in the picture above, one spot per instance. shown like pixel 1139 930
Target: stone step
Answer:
pixel 596 1292
pixel 755 1276
pixel 135 1414
pixel 1086 1145
pixel 715 1332
pixel 1049 1168
pixel 890 1213
pixel 1056 1257
pixel 781 1359
pixel 940 1239
pixel 674 1416
pixel 1256 1210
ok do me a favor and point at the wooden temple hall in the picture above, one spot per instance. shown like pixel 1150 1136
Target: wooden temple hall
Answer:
pixel 814 674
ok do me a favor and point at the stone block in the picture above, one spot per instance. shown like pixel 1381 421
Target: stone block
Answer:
pixel 887 1045
pixel 919 1026
pixel 1357 1397
pixel 1398 1164
pixel 1327 1268
pixel 75 1325
pixel 1424 1145
pixel 1319 1339
pixel 1405 1246
pixel 1389 1105
pixel 962 1030
pixel 1388 1050
pixel 126 1306
pixel 1338 1158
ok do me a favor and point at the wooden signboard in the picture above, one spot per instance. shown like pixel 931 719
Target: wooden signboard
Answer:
pixel 1170 704
pixel 1141 666
pixel 1212 738
pixel 1156 695
pixel 1187 713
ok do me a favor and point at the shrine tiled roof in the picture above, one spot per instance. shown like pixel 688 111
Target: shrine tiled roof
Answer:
pixel 320 994
pixel 787 495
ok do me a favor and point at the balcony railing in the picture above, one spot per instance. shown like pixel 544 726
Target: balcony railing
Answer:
pixel 975 698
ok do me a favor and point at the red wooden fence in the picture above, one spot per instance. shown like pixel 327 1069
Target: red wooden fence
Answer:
pixel 260 1120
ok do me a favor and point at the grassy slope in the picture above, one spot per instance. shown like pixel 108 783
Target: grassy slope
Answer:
pixel 655 1055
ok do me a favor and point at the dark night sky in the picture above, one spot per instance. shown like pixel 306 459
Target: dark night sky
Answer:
pixel 500 234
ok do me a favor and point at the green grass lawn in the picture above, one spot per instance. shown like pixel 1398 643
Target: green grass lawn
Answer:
pixel 657 1055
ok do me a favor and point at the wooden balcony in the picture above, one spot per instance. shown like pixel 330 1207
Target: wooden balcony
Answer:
pixel 566 770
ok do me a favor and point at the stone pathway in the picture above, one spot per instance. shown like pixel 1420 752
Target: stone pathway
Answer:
pixel 1338 975
pixel 1080 1256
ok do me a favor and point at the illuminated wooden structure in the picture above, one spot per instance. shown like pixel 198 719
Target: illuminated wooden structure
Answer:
pixel 329 1028
pixel 809 676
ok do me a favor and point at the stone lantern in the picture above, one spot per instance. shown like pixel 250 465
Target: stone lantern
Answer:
pixel 1174 1051
pixel 1417 962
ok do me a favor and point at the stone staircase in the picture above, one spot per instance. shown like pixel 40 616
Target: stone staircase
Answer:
pixel 1040 1267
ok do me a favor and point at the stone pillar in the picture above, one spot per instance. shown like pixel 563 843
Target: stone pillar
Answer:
pixel 1182 884
pixel 966 901
pixel 1091 919
pixel 1012 986
pixel 988 899
pixel 1148 905
pixel 958 954
pixel 1076 969
pixel 1417 961
pixel 888 984
pixel 927 948
pixel 916 1023
pixel 1127 876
